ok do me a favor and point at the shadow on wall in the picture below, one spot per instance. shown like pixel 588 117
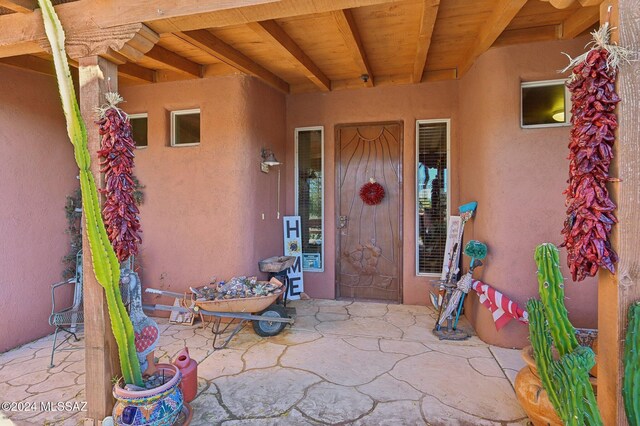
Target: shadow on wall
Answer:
pixel 38 172
pixel 203 213
pixel 518 176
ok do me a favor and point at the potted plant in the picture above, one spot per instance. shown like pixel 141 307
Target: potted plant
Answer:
pixel 562 371
pixel 164 403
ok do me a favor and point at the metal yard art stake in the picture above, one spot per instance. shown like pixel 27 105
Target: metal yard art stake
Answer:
pixel 466 212
pixel 477 251
pixel 456 293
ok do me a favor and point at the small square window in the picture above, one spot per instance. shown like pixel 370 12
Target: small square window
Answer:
pixel 139 129
pixel 185 127
pixel 545 104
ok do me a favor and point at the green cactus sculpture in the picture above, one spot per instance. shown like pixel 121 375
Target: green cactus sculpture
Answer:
pixel 631 382
pixel 566 379
pixel 105 263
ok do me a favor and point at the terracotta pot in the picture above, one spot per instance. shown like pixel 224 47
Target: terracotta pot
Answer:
pixel 158 406
pixel 532 396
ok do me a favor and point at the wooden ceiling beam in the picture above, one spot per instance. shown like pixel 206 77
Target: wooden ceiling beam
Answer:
pixel 563 4
pixel 271 31
pixel 503 13
pixel 215 70
pixel 529 35
pixel 163 15
pixel 427 22
pixel 39 65
pixel 23 48
pixel 30 62
pixel 136 72
pixel 389 80
pixel 351 36
pixel 280 10
pixel 207 42
pixel 382 80
pixel 129 70
pixel 580 21
pixel 20 6
pixel 560 4
pixel 174 61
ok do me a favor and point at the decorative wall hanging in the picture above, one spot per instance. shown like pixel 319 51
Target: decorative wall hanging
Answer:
pixel 589 208
pixel 372 192
pixel 120 212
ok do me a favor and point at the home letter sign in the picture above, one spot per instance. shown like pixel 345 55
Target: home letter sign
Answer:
pixel 293 247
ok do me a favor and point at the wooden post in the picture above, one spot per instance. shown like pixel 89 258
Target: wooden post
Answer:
pixel 617 292
pixel 101 352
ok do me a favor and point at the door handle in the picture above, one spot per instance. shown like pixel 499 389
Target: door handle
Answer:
pixel 342 222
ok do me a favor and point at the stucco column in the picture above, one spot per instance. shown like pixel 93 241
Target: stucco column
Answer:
pixel 97 76
pixel 617 292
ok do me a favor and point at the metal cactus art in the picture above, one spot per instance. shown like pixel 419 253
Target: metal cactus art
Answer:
pixel 566 379
pixel 631 382
pixel 105 263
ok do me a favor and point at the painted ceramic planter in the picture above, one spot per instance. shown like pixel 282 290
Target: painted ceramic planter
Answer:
pixel 159 406
pixel 532 396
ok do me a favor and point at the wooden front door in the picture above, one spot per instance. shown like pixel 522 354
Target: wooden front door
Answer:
pixel 369 249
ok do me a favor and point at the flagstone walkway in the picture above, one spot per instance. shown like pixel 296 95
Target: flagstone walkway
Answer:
pixel 341 363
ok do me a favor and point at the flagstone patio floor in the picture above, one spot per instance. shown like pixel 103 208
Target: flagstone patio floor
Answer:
pixel 341 363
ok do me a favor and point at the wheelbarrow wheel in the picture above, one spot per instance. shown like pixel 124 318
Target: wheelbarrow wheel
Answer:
pixel 266 328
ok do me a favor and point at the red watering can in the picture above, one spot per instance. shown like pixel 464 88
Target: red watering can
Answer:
pixel 189 369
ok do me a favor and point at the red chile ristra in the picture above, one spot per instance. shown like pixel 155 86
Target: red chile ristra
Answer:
pixel 120 212
pixel 589 208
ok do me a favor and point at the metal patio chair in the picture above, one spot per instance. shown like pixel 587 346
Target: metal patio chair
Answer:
pixel 69 318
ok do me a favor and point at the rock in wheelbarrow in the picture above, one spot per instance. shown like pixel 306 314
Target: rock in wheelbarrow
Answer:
pixel 266 328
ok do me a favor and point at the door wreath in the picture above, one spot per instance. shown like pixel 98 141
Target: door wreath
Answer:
pixel 372 193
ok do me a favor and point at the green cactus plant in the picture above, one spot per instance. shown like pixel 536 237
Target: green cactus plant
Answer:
pixel 565 379
pixel 105 263
pixel 631 381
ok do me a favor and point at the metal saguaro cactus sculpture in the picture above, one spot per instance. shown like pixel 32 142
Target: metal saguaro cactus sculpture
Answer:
pixel 105 264
pixel 631 383
pixel 566 379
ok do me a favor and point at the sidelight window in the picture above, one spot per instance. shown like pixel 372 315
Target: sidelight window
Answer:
pixel 432 194
pixel 309 187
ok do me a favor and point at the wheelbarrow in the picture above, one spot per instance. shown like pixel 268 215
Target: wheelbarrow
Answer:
pixel 268 318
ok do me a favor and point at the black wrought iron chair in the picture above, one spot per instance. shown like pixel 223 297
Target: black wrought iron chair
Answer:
pixel 69 318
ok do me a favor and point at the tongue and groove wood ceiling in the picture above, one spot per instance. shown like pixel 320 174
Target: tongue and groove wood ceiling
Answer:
pixel 395 42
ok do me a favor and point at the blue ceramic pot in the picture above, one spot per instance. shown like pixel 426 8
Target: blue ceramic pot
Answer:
pixel 159 406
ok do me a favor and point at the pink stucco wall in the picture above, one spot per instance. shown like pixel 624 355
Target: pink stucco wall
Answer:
pixel 38 172
pixel 407 103
pixel 518 176
pixel 202 215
